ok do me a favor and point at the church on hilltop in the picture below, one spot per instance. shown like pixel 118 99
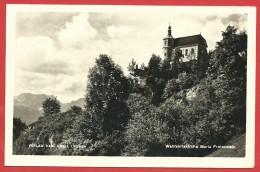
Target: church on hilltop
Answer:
pixel 192 56
pixel 193 48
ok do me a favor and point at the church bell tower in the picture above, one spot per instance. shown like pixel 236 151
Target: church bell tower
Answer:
pixel 168 43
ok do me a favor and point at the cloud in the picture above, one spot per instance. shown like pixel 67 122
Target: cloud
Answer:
pixel 117 32
pixel 38 54
pixel 44 67
pixel 57 61
pixel 211 17
pixel 212 25
pixel 41 23
pixel 65 87
pixel 74 87
pixel 30 51
pixel 53 68
pixel 233 18
pixel 77 32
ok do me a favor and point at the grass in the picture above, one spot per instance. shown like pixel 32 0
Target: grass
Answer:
pixel 239 151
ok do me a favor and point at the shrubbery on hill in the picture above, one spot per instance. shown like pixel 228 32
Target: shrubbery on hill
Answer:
pixel 18 128
pixel 115 122
pixel 47 130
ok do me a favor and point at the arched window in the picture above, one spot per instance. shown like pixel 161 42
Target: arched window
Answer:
pixel 192 51
pixel 186 52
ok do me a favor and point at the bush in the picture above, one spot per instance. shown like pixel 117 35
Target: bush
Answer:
pixel 51 106
pixel 171 88
pixel 145 134
pixel 107 113
pixel 46 130
pixel 185 81
pixel 18 127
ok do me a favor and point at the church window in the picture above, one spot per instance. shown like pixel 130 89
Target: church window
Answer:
pixel 192 51
pixel 165 54
pixel 186 52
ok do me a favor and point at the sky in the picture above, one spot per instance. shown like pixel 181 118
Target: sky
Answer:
pixel 55 50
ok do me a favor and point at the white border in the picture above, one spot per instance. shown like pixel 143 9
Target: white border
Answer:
pixel 79 161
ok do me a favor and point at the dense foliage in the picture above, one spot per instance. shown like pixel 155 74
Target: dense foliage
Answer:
pixel 48 130
pixel 163 103
pixel 106 113
pixel 51 106
pixel 18 127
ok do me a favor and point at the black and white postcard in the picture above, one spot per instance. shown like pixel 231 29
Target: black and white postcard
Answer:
pixel 130 86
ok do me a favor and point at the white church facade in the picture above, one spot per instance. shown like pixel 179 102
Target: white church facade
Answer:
pixel 193 48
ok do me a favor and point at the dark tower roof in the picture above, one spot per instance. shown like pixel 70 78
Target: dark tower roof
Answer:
pixel 188 40
pixel 169 36
pixel 169 30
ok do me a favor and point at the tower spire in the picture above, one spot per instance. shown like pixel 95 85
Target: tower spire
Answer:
pixel 169 30
pixel 168 42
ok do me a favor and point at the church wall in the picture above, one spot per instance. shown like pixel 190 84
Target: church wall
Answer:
pixel 167 51
pixel 189 52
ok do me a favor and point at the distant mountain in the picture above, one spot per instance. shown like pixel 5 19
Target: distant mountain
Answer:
pixel 80 102
pixel 31 100
pixel 26 114
pixel 28 107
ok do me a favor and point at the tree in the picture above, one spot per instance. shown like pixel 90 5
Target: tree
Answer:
pixel 76 109
pixel 230 54
pixel 145 134
pixel 47 130
pixel 106 113
pixel 154 81
pixel 172 87
pixel 227 68
pixel 185 80
pixel 215 116
pixel 51 106
pixel 18 127
pixel 135 77
pixel 166 70
pixel 132 66
pixel 154 66
pixel 176 66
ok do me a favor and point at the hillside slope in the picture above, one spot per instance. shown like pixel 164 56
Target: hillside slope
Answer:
pixel 239 142
pixel 28 107
pixel 33 101
pixel 46 130
pixel 66 106
pixel 26 114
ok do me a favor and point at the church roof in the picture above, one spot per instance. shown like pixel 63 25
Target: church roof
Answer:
pixel 187 40
pixel 168 37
